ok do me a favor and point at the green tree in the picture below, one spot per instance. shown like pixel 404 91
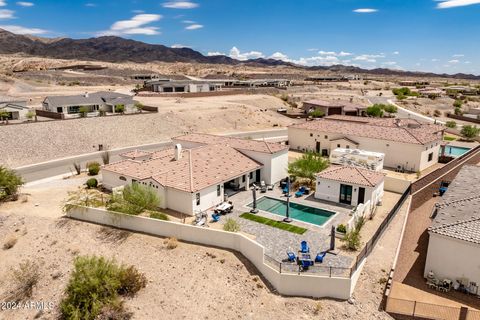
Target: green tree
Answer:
pixel 135 199
pixel 389 108
pixel 457 103
pixel 139 106
pixel 83 110
pixel 4 115
pixel 120 108
pixel 308 166
pixel 375 111
pixel 30 115
pixel 458 111
pixel 10 182
pixel 469 132
pixel 451 124
pixel 316 113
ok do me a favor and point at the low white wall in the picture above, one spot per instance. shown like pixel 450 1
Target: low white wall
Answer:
pixel 307 285
pixel 396 185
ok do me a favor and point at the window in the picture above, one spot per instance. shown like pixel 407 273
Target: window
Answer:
pixel 243 178
pixel 198 198
pixel 430 156
pixel 251 175
pixel 311 134
pixel 348 147
pixel 338 145
pixel 326 137
pixel 122 178
pixel 219 192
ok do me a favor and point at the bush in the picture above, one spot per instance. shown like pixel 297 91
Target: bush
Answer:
pixel 92 183
pixel 93 168
pixel 135 199
pixel 159 215
pixel 437 113
pixel 120 108
pixel 10 182
pixel 10 242
pixel 375 111
pixel 458 111
pixel 389 108
pixel 25 278
pixel 341 228
pixel 83 111
pixel 470 132
pixel 451 124
pixel 95 286
pixel 457 103
pixel 106 157
pixel 231 225
pixel 352 240
pixel 171 243
pixel 78 167
pixel 316 113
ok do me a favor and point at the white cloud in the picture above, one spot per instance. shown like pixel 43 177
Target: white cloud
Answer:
pixel 236 54
pixel 188 21
pixel 365 10
pixel 3 3
pixel 396 53
pixel 178 46
pixel 194 26
pixel 279 56
pixel 25 4
pixel 7 14
pixel 333 53
pixel 467 62
pixel 454 61
pixel 458 55
pixel 390 63
pixel 312 49
pixel 215 53
pixel 435 60
pixel 23 30
pixel 445 4
pixel 180 5
pixel 91 5
pixel 369 57
pixel 136 25
pixel 138 11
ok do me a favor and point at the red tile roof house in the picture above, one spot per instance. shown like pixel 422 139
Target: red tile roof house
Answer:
pixel 193 176
pixel 350 185
pixel 406 143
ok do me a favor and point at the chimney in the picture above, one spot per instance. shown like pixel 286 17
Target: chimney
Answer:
pixel 178 152
pixel 86 95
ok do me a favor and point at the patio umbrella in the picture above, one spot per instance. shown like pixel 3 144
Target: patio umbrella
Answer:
pixel 254 204
pixel 287 218
pixel 332 239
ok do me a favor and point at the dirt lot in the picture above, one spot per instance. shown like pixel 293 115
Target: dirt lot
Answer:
pixel 183 283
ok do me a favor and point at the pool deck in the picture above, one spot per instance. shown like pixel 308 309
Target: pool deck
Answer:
pixel 277 241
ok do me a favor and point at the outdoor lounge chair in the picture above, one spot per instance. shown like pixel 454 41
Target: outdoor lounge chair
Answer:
pixel 298 194
pixel 320 256
pixel 291 256
pixel 215 217
pixel 304 247
pixel 263 187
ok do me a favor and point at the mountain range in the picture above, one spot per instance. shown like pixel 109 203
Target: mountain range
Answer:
pixel 117 49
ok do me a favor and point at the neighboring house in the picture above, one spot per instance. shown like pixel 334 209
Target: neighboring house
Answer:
pixel 414 83
pixel 334 107
pixel 17 110
pixel 350 185
pixel 407 144
pixel 454 235
pixel 359 158
pixel 453 91
pixel 273 156
pixel 182 86
pixel 94 102
pixel 196 178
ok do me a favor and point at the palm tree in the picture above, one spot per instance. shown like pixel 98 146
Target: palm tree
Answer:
pixel 308 166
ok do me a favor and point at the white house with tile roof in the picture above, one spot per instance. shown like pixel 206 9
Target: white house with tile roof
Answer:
pixel 454 235
pixel 195 179
pixel 350 185
pixel 406 143
pixel 15 110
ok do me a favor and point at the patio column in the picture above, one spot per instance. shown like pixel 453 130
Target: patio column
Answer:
pixel 247 182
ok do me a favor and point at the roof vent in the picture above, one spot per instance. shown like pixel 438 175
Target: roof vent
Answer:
pixel 178 151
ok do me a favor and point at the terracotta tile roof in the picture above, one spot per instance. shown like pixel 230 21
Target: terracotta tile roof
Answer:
pixel 236 143
pixel 390 129
pixel 135 154
pixel 467 230
pixel 197 169
pixel 353 175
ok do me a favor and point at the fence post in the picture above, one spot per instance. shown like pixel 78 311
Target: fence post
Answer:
pixel 463 313
pixel 414 307
pixel 330 271
pixel 280 267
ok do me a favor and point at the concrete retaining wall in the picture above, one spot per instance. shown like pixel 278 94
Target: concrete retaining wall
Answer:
pixel 396 185
pixel 286 283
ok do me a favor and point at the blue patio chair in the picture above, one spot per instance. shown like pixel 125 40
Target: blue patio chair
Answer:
pixel 320 256
pixel 302 189
pixel 285 190
pixel 304 247
pixel 291 256
pixel 305 264
pixel 298 194
pixel 215 217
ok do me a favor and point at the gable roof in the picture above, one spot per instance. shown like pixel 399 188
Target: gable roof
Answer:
pixel 353 175
pixel 100 97
pixel 467 230
pixel 197 168
pixel 236 143
pixel 390 129
pixel 346 139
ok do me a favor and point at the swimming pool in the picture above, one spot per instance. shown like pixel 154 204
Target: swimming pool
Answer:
pixel 455 151
pixel 297 211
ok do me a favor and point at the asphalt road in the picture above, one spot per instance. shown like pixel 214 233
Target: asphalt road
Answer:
pixel 63 166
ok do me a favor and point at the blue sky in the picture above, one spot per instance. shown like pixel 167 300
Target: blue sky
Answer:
pixel 424 35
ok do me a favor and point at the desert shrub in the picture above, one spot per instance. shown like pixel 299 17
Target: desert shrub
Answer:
pixel 30 115
pixel 135 199
pixel 316 113
pixel 437 113
pixel 307 166
pixel 10 182
pixel 10 242
pixel 458 111
pixel 231 225
pixel 83 111
pixel 25 278
pixel 95 287
pixel 139 106
pixel 469 132
pixel 78 167
pixel 106 157
pixel 341 228
pixel 352 240
pixel 159 215
pixel 389 108
pixel 93 168
pixel 375 111
pixel 120 108
pixel 84 197
pixel 171 243
pixel 457 103
pixel 92 183
pixel 451 124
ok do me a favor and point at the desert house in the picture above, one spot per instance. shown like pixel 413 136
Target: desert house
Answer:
pixel 96 102
pixel 15 110
pixel 182 86
pixel 454 235
pixel 334 107
pixel 407 144
pixel 350 185
pixel 196 174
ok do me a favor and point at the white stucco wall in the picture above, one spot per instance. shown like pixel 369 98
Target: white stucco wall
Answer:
pixel 329 190
pixel 275 165
pixel 413 157
pixel 452 259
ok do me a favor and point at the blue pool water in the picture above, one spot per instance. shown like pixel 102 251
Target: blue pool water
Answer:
pixel 455 151
pixel 297 211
